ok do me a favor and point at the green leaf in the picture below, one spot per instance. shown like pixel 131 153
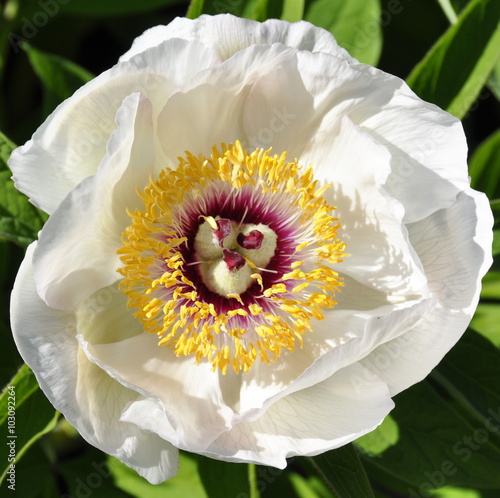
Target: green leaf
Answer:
pixel 452 8
pixel 6 148
pixel 25 385
pixel 383 437
pixel 35 476
pixel 223 479
pixel 454 71
pixel 486 320
pixel 293 10
pixel 448 10
pixel 494 81
pixel 343 472
pixel 301 486
pixel 355 25
pixel 437 444
pixel 453 492
pixel 20 221
pixel 195 9
pixel 484 167
pixel 491 286
pixel 186 483
pixel 60 77
pixel 26 415
pixel 470 373
pixel 459 5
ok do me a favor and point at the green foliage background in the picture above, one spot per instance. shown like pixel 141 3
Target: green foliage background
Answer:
pixel 443 437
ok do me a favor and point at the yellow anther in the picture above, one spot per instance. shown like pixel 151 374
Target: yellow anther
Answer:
pixel 165 292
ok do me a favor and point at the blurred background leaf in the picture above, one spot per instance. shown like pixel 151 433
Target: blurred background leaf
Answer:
pixel 456 68
pixel 20 221
pixel 343 472
pixel 25 416
pixel 60 78
pixel 356 25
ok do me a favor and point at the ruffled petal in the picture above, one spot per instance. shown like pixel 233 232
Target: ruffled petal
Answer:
pixel 190 394
pixel 380 255
pixel 76 254
pixel 341 339
pixel 310 421
pixel 208 110
pixel 71 143
pixel 455 248
pixel 427 145
pixel 88 398
pixel 227 34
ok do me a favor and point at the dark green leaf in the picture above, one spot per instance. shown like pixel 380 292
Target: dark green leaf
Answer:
pixel 20 221
pixel 25 385
pixel 223 479
pixel 355 25
pixel 438 444
pixel 459 5
pixel 34 477
pixel 453 73
pixel 26 415
pixel 470 372
pixel 484 166
pixel 6 148
pixel 343 472
pixel 60 77
pixel 486 320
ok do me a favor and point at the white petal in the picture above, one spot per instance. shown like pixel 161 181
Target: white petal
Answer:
pixel 455 245
pixel 342 339
pixel 71 143
pixel 190 393
pixel 380 255
pixel 427 145
pixel 104 317
pixel 279 111
pixel 76 254
pixel 227 35
pixel 88 398
pixel 308 422
pixel 208 111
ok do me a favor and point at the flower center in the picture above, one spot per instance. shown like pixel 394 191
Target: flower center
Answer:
pixel 231 259
pixel 230 254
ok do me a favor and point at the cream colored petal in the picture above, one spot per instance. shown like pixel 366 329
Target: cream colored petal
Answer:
pixel 89 398
pixel 228 34
pixel 190 394
pixel 455 245
pixel 71 143
pixel 322 417
pixel 209 110
pixel 76 254
pixel 427 145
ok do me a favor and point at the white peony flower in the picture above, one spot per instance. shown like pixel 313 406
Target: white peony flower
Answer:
pixel 254 242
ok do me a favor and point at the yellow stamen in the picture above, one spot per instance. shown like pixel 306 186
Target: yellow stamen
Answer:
pixel 169 301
